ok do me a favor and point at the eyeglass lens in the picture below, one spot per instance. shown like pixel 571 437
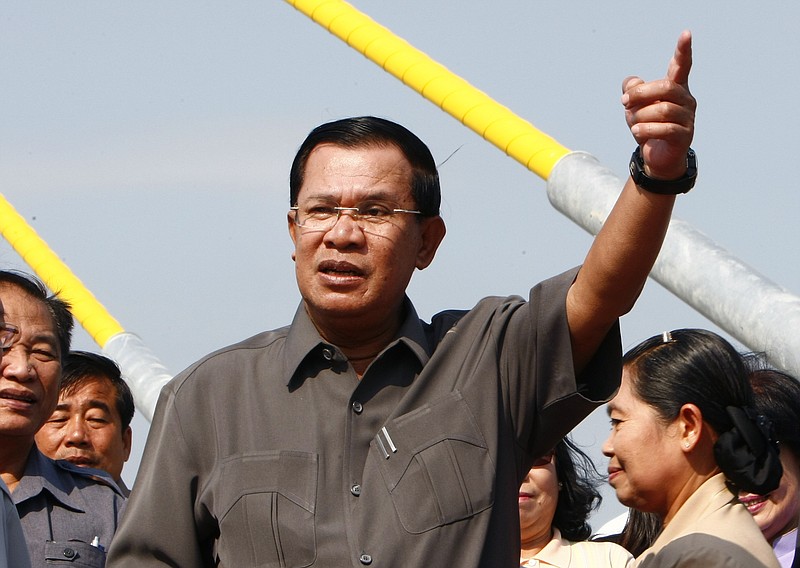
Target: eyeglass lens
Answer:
pixel 7 333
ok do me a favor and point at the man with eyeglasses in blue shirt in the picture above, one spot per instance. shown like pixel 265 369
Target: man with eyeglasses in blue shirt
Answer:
pixel 13 550
pixel 360 435
pixel 68 514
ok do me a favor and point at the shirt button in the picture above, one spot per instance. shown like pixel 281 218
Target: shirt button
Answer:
pixel 327 353
pixel 357 407
pixel 69 553
pixel 356 489
pixel 365 559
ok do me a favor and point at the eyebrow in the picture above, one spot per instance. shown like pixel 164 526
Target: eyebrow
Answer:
pixel 93 403
pixel 376 196
pixel 45 337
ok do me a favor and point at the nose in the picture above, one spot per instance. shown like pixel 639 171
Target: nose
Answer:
pixel 77 435
pixel 346 232
pixel 608 446
pixel 15 364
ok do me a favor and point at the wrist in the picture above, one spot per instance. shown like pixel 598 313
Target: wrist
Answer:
pixel 663 183
pixel 665 174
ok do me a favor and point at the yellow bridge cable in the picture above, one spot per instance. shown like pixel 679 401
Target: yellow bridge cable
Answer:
pixel 91 314
pixel 516 137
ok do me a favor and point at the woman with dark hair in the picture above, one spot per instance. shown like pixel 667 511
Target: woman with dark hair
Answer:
pixel 777 513
pixel 555 500
pixel 685 439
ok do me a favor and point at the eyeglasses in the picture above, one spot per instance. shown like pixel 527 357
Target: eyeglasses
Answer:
pixel 324 217
pixel 544 460
pixel 7 333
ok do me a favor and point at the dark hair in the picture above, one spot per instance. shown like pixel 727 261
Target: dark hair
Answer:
pixel 640 532
pixel 777 397
pixel 82 367
pixel 696 366
pixel 58 308
pixel 365 131
pixel 578 495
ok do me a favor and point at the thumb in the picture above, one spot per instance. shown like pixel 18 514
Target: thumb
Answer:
pixel 631 82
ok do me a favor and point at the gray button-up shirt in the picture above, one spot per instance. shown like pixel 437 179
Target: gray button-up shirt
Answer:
pixel 13 550
pixel 272 453
pixel 68 513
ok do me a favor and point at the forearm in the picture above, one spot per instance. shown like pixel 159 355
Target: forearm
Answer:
pixel 616 266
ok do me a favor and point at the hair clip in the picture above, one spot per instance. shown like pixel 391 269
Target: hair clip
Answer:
pixel 666 337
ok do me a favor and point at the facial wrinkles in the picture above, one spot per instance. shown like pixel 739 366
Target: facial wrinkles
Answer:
pixel 353 175
pixel 86 429
pixel 31 367
pixel 349 179
pixel 348 272
pixel 636 442
pixel 29 314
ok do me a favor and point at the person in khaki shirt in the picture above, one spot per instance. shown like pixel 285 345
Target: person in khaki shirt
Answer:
pixel 555 500
pixel 684 440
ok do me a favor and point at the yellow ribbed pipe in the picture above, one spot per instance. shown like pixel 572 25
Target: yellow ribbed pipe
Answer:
pixel 91 314
pixel 516 137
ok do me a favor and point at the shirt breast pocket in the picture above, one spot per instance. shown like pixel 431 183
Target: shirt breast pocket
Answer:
pixel 436 465
pixel 74 553
pixel 267 502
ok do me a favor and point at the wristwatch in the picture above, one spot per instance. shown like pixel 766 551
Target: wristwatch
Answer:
pixel 663 186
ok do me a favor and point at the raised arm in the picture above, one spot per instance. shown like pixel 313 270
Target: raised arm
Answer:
pixel 661 118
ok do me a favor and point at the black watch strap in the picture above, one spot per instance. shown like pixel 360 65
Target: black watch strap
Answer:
pixel 662 186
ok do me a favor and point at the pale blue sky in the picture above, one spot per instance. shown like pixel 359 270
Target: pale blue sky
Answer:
pixel 149 144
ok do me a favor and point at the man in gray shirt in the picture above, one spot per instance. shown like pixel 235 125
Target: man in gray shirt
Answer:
pixel 360 435
pixel 13 548
pixel 68 514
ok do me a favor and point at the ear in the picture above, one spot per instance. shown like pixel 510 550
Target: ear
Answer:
pixel 127 440
pixel 690 426
pixel 292 231
pixel 433 231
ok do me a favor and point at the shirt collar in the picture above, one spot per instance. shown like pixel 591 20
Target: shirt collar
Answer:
pixel 42 474
pixel 556 552
pixel 712 495
pixel 304 343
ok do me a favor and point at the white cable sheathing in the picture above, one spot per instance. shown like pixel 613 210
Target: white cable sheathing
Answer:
pixel 762 315
pixel 145 374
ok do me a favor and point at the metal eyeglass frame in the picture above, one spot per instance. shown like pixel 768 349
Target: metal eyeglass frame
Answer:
pixel 354 213
pixel 7 333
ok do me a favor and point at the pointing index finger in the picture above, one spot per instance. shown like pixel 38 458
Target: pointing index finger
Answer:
pixel 681 62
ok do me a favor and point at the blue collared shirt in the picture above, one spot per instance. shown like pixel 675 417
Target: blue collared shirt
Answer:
pixel 68 513
pixel 13 552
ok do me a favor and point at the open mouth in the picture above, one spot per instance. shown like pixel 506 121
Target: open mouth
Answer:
pixel 340 269
pixel 755 503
